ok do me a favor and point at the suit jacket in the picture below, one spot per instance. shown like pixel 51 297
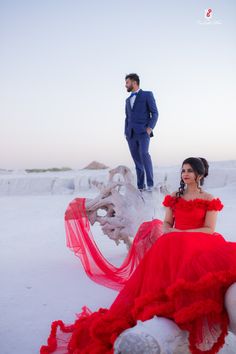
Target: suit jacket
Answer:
pixel 143 114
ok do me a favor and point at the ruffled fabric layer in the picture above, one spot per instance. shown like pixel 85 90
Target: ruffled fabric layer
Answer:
pixel 183 277
pixel 181 203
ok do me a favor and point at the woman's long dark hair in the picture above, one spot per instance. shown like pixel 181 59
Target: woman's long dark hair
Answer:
pixel 200 167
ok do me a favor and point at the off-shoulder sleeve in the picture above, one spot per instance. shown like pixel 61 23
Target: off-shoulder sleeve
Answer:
pixel 215 204
pixel 168 201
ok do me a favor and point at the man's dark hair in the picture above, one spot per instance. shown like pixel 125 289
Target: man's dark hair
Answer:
pixel 133 77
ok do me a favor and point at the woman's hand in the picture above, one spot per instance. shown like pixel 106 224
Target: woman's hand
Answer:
pixel 173 229
pixel 167 229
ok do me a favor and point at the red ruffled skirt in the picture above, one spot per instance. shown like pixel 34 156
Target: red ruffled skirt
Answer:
pixel 183 277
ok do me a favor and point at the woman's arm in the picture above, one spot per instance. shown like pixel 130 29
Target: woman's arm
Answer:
pixel 208 227
pixel 168 221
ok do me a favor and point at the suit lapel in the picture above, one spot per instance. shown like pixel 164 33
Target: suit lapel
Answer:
pixel 128 104
pixel 136 99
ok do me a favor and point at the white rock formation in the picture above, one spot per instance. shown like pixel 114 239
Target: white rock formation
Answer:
pixel 160 336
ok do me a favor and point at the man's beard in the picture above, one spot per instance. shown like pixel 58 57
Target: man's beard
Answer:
pixel 129 89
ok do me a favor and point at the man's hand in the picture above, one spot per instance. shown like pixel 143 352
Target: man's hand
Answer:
pixel 149 130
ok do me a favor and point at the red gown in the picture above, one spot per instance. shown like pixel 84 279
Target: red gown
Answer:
pixel 183 277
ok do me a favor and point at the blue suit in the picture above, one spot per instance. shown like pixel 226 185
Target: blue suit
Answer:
pixel 144 114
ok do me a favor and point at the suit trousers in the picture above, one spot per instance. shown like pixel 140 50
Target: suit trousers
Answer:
pixel 138 146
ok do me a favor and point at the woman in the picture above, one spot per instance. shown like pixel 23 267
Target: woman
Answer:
pixel 183 277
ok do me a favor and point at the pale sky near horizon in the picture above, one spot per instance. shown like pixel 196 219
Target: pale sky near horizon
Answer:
pixel 62 69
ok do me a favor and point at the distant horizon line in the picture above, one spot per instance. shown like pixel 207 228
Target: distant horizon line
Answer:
pixel 64 168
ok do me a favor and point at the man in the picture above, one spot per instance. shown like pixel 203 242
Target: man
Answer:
pixel 141 117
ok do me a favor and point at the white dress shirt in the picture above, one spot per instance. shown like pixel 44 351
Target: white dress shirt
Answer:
pixel 133 98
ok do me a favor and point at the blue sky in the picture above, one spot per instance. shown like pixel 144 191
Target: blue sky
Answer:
pixel 62 69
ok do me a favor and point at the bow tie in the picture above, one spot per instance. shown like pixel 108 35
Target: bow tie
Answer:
pixel 133 94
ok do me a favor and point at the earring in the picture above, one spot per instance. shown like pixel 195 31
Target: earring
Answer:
pixel 198 181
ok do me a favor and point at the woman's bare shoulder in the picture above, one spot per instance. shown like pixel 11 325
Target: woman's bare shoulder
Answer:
pixel 207 196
